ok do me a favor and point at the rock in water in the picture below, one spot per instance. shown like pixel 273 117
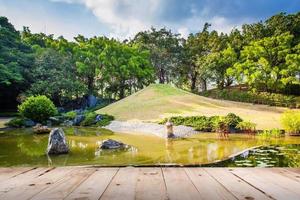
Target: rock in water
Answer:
pixel 112 144
pixel 57 142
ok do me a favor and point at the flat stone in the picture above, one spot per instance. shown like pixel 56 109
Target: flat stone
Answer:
pixel 112 144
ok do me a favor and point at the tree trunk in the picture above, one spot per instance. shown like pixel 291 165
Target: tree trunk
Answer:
pixel 161 76
pixel 90 85
pixel 193 81
pixel 203 85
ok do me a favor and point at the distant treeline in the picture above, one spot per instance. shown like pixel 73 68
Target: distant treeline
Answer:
pixel 265 56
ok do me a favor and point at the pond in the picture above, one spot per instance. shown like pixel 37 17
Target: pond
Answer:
pixel 20 147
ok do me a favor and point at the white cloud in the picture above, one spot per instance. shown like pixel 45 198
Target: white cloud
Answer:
pixel 124 17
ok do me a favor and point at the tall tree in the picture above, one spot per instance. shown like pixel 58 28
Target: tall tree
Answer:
pixel 53 75
pixel 268 64
pixel 164 47
pixel 126 68
pixel 196 47
pixel 15 60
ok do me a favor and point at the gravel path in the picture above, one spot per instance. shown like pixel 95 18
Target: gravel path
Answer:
pixel 148 128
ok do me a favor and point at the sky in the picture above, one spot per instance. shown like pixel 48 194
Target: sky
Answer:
pixel 124 18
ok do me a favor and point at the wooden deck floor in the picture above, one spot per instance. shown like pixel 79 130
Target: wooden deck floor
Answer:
pixel 149 183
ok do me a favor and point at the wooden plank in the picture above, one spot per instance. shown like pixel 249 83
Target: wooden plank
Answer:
pixel 179 186
pixel 150 184
pixel 94 186
pixel 123 185
pixel 287 186
pixel 239 188
pixel 286 173
pixel 66 185
pixel 272 184
pixel 295 170
pixel 36 185
pixel 207 186
pixel 6 173
pixel 21 179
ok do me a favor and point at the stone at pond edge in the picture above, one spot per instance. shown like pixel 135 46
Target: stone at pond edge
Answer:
pixel 98 118
pixel 112 144
pixel 78 119
pixel 67 123
pixel 57 142
pixel 40 129
pixel 29 123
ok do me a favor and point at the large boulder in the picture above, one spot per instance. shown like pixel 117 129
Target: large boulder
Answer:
pixel 92 101
pixel 113 144
pixel 57 142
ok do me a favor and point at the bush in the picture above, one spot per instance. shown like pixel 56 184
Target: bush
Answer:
pixel 246 126
pixel 272 133
pixel 105 120
pixel 70 115
pixel 89 119
pixel 203 123
pixel 17 122
pixel 233 120
pixel 272 99
pixel 37 108
pixel 221 124
pixel 291 121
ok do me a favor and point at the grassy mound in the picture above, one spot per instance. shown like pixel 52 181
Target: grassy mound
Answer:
pixel 160 101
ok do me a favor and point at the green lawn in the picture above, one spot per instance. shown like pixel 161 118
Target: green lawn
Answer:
pixel 159 101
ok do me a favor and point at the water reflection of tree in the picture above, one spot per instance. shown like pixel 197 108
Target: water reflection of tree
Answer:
pixel 32 146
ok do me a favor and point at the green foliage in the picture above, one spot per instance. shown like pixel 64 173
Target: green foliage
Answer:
pixel 105 120
pixel 269 64
pixel 206 124
pixel 272 99
pixel 165 51
pixel 37 108
pixel 70 115
pixel 276 133
pixel 53 75
pixel 16 122
pixel 291 121
pixel 232 120
pixel 221 124
pixel 127 68
pixel 89 119
pixel 246 126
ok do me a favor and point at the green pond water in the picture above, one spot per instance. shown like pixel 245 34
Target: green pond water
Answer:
pixel 21 147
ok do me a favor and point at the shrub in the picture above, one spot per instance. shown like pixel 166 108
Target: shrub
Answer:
pixel 37 108
pixel 16 122
pixel 246 126
pixel 221 124
pixel 89 119
pixel 70 115
pixel 203 123
pixel 291 121
pixel 233 120
pixel 272 99
pixel 271 133
pixel 105 120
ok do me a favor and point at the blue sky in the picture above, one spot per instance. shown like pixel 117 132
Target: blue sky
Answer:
pixel 124 18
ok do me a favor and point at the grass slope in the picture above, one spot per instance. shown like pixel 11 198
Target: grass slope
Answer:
pixel 159 101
